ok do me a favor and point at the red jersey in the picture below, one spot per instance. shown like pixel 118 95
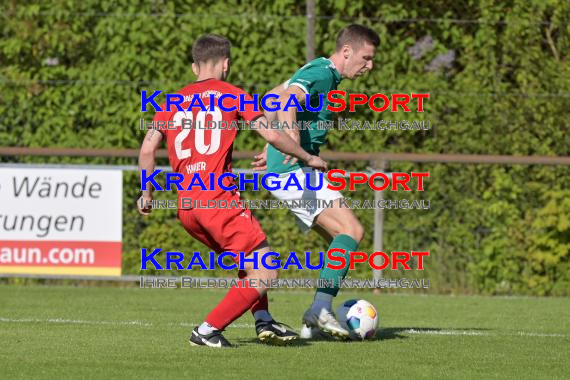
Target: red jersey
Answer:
pixel 206 146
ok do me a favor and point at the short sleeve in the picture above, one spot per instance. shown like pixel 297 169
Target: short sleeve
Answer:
pixel 161 116
pixel 249 113
pixel 311 80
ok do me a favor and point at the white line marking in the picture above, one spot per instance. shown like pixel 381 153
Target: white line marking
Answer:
pixel 74 321
pixel 482 333
pixel 545 335
pixel 111 323
pixel 251 326
pixel 446 332
pixel 232 326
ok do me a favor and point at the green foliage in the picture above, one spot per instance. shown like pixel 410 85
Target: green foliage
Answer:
pixel 71 75
pixel 548 260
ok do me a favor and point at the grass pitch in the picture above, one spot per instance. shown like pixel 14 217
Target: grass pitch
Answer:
pixel 83 333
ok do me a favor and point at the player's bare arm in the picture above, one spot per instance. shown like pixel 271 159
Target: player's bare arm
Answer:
pixel 147 157
pixel 285 118
pixel 287 145
pixel 260 160
pixel 288 117
pixel 271 116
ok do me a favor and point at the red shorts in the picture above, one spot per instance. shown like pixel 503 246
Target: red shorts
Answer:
pixel 232 229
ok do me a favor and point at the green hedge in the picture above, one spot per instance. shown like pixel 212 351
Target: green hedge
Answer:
pixel 71 75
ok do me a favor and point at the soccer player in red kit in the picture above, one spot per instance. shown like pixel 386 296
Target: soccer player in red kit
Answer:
pixel 200 150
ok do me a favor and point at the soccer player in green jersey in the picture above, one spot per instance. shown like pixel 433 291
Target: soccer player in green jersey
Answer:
pixel 355 49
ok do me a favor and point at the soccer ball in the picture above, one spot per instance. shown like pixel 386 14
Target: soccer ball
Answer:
pixel 359 317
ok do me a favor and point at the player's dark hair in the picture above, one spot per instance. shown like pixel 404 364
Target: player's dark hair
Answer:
pixel 356 35
pixel 210 47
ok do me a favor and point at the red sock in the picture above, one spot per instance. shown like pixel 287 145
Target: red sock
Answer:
pixel 234 304
pixel 260 304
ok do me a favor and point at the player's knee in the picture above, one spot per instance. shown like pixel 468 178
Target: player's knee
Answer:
pixel 359 232
pixel 356 231
pixel 262 274
pixel 268 274
pixel 272 274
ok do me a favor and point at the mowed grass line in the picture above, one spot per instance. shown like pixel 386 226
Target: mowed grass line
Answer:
pixel 69 332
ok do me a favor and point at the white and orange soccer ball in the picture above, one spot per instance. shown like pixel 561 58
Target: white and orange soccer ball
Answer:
pixel 359 317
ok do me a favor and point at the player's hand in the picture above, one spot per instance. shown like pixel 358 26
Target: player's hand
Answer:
pixel 260 162
pixel 291 160
pixel 317 163
pixel 143 208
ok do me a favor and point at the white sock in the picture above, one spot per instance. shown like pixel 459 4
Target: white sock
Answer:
pixel 262 315
pixel 206 328
pixel 322 301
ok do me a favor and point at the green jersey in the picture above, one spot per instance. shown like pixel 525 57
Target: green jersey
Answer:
pixel 317 77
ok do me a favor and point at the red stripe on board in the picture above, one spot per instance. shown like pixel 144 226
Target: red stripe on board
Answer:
pixel 60 253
